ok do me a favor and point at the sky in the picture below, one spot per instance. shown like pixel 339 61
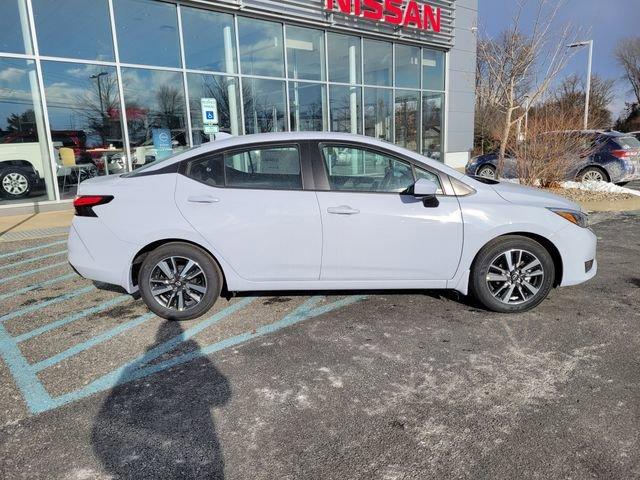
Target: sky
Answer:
pixel 604 21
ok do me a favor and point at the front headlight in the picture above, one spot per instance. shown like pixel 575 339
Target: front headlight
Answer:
pixel 575 217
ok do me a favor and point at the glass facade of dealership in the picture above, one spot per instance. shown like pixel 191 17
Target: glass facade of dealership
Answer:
pixel 98 87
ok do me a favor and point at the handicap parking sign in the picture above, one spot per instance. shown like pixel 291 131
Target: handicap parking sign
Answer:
pixel 209 111
pixel 210 115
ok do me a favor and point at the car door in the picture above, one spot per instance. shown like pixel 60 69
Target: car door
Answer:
pixel 372 231
pixel 250 205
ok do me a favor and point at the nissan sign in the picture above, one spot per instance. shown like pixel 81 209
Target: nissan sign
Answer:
pixel 395 12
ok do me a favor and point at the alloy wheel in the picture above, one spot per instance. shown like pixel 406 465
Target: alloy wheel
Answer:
pixel 15 183
pixel 593 176
pixel 487 172
pixel 178 283
pixel 515 276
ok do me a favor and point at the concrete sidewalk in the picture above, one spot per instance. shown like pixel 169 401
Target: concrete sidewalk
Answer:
pixel 35 225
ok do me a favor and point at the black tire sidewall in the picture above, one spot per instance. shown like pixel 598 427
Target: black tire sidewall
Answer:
pixel 478 284
pixel 592 169
pixel 19 171
pixel 487 167
pixel 209 267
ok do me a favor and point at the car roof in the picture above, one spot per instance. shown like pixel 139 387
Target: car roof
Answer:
pixel 245 140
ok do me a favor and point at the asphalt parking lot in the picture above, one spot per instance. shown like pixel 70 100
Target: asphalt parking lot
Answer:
pixel 385 385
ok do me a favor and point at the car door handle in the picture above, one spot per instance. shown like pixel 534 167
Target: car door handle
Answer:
pixel 343 210
pixel 203 199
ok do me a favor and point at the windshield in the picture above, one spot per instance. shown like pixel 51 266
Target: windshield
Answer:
pixel 156 161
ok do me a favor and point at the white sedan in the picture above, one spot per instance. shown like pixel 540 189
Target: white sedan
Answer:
pixel 314 211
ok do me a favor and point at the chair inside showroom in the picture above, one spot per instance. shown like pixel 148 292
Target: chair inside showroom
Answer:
pixel 69 165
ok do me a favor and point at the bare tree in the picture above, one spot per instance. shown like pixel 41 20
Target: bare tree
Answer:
pixel 570 97
pixel 552 145
pixel 628 56
pixel 523 64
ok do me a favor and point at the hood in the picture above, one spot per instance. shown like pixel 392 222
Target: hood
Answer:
pixel 514 193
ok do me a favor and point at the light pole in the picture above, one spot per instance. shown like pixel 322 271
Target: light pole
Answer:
pixel 588 92
pixel 97 77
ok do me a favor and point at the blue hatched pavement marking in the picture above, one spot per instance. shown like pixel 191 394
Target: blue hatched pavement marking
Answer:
pixel 38 400
pixel 34 259
pixel 33 272
pixel 32 249
pixel 38 286
pixel 53 301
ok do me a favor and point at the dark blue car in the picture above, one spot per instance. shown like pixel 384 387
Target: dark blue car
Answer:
pixel 615 158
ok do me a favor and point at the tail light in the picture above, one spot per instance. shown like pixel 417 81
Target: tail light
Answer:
pixel 622 154
pixel 84 204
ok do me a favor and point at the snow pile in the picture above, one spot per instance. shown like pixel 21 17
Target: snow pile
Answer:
pixel 603 187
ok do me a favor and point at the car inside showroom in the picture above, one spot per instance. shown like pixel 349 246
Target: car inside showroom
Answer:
pixel 127 82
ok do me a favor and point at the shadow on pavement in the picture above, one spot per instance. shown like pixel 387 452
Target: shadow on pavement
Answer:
pixel 162 426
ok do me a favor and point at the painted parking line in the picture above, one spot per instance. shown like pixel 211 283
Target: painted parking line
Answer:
pixel 92 342
pixel 32 249
pixel 38 286
pixel 34 259
pixel 38 400
pixel 53 301
pixel 72 318
pixel 33 272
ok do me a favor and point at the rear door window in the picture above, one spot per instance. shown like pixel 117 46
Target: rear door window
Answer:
pixel 274 167
pixel 628 143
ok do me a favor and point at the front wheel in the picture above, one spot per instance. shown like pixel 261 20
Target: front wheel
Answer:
pixel 512 274
pixel 14 183
pixel 179 281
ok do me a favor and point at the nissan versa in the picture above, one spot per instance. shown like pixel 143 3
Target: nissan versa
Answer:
pixel 313 211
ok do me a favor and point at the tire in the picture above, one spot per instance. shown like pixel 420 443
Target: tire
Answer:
pixel 487 171
pixel 14 183
pixel 491 259
pixel 593 174
pixel 208 282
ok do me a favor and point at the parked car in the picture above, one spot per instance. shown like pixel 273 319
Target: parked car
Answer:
pixel 20 168
pixel 317 211
pixel 613 157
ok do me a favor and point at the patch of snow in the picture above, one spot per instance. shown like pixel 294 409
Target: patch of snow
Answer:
pixel 600 187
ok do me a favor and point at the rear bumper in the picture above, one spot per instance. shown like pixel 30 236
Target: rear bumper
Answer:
pixel 111 263
pixel 577 248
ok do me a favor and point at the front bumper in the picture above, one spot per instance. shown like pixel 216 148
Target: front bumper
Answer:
pixel 577 247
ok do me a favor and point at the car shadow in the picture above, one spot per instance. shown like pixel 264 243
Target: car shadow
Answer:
pixel 161 426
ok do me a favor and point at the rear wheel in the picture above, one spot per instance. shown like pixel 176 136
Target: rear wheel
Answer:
pixel 593 174
pixel 512 274
pixel 487 171
pixel 179 281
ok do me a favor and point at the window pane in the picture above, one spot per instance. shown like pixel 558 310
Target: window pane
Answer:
pixel 261 50
pixel 264 105
pixel 356 169
pixel 84 115
pixel 305 53
pixel 88 37
pixel 275 168
pixel 156 113
pixel 433 65
pixel 420 173
pixel 209 40
pixel 432 125
pixel 25 170
pixel 407 66
pixel 147 32
pixel 14 27
pixel 345 65
pixel 346 109
pixel 377 62
pixel 227 94
pixel 377 113
pixel 407 119
pixel 307 102
pixel 206 170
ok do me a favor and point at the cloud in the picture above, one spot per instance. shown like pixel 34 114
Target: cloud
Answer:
pixel 12 74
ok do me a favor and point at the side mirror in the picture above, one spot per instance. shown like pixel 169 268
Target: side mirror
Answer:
pixel 426 190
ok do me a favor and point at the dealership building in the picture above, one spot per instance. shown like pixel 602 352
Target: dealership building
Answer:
pixel 101 87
